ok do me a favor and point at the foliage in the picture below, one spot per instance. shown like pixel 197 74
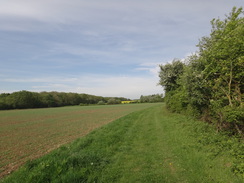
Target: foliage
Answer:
pixel 209 84
pixel 81 104
pixel 113 101
pixel 193 83
pixel 176 100
pixel 151 98
pixel 26 99
pixel 21 100
pixel 101 102
pixel 216 144
pixel 169 75
pixel 223 58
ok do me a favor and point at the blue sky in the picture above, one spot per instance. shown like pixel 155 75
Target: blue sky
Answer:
pixel 100 47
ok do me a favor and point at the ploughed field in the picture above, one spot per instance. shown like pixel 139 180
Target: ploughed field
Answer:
pixel 28 134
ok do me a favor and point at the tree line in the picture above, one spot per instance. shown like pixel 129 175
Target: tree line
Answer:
pixel 151 98
pixel 26 99
pixel 209 84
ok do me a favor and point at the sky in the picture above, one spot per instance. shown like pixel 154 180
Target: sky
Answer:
pixel 107 48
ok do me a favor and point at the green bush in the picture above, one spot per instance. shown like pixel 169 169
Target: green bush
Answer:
pixel 114 101
pixel 82 104
pixel 177 101
pixel 192 111
pixel 210 83
pixel 233 115
pixel 101 103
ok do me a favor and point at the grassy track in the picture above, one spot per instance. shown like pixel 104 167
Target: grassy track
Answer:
pixel 28 134
pixel 146 146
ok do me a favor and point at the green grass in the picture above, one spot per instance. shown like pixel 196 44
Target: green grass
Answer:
pixel 151 145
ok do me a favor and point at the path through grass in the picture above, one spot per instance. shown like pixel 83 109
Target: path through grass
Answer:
pixel 146 146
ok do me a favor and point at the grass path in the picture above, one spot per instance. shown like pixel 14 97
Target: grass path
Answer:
pixel 159 148
pixel 146 146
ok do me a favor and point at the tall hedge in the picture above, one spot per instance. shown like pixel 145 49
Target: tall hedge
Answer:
pixel 211 83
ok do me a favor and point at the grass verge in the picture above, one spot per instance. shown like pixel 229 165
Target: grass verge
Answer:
pixel 151 145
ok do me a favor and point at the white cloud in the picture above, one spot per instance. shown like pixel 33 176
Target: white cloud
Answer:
pixel 151 67
pixel 37 80
pixel 106 15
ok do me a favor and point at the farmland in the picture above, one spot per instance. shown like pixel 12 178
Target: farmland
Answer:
pixel 28 134
pixel 150 145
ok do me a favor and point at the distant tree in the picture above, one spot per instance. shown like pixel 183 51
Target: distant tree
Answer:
pixel 3 101
pixel 24 99
pixel 152 98
pixel 101 102
pixel 113 101
pixel 48 99
pixel 73 98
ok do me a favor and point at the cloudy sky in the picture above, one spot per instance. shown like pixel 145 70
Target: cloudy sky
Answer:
pixel 100 47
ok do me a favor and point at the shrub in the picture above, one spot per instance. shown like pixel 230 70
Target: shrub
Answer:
pixel 101 103
pixel 113 101
pixel 82 104
pixel 176 101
